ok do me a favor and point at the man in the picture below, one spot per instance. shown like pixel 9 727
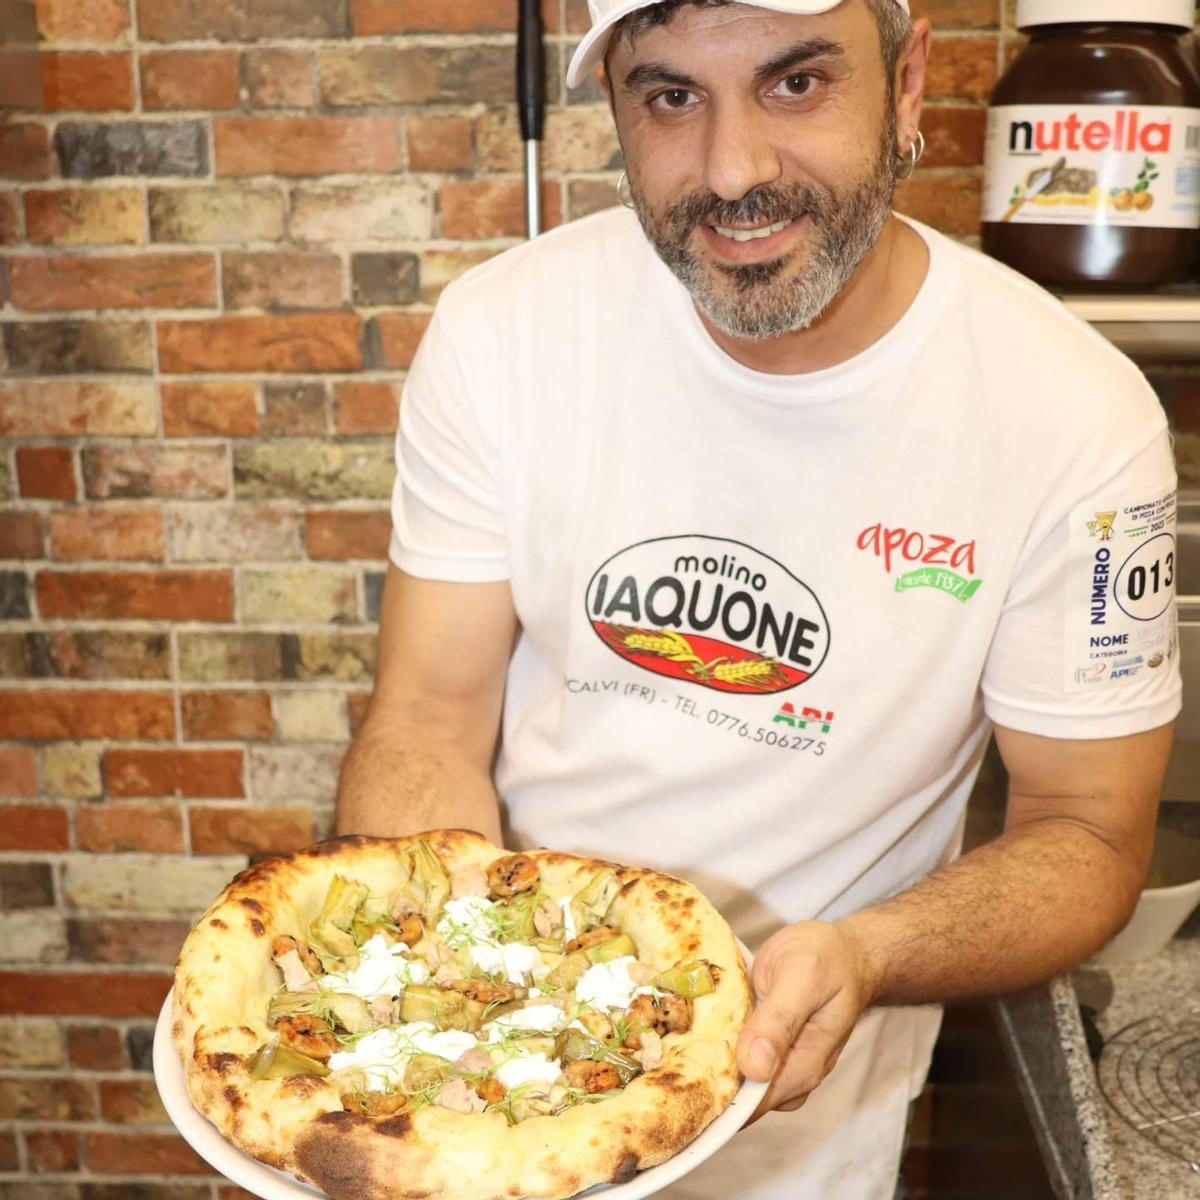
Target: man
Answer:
pixel 749 519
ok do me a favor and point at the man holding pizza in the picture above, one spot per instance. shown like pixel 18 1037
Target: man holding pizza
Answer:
pixel 729 527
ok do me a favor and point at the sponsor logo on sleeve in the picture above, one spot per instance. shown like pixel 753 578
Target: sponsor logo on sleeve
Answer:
pixel 709 611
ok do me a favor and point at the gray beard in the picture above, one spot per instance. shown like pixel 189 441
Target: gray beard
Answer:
pixel 753 302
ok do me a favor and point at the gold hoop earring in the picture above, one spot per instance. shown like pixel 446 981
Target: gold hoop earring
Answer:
pixel 916 152
pixel 624 191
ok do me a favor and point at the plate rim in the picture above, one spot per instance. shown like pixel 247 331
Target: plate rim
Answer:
pixel 248 1172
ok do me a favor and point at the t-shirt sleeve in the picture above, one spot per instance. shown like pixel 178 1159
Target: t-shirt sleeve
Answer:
pixel 447 515
pixel 1087 643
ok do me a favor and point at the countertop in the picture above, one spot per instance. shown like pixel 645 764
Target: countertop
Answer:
pixel 1090 1151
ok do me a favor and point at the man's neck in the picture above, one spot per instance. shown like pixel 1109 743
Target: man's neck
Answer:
pixel 877 296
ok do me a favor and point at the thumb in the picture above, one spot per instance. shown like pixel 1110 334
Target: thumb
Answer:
pixel 775 1024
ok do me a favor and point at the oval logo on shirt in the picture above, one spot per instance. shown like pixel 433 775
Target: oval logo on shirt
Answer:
pixel 709 611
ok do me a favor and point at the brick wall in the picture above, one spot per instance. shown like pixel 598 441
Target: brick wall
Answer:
pixel 223 236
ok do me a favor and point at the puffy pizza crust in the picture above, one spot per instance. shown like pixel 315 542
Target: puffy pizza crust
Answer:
pixel 225 979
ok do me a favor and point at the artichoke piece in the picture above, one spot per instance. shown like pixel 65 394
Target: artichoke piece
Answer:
pixel 365 927
pixel 426 883
pixel 294 1004
pixel 621 946
pixel 572 1045
pixel 274 1060
pixel 424 1070
pixel 440 1007
pixel 514 918
pixel 590 905
pixel 689 979
pixel 350 1012
pixel 332 931
pixel 570 970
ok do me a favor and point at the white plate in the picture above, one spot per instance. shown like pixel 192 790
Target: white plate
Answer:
pixel 271 1184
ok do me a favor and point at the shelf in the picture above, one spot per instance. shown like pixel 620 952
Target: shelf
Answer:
pixel 1152 328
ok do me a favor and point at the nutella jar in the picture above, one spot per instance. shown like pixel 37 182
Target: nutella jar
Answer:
pixel 1092 175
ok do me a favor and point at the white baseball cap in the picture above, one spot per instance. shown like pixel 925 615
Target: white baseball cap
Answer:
pixel 606 14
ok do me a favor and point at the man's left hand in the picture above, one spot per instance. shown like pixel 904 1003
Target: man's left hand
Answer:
pixel 812 986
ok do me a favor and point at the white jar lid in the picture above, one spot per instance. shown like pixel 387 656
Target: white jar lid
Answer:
pixel 1179 13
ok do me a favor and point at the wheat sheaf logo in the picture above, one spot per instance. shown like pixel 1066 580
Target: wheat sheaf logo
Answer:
pixel 709 611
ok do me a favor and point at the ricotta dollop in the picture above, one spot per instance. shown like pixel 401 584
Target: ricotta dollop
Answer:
pixel 383 970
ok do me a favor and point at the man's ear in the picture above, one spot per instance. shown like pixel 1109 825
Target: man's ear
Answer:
pixel 600 75
pixel 910 78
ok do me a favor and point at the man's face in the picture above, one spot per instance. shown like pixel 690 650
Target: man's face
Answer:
pixel 760 148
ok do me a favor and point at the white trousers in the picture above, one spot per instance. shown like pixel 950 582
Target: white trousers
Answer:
pixel 846 1142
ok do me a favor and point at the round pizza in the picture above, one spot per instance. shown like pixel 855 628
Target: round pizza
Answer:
pixel 434 1018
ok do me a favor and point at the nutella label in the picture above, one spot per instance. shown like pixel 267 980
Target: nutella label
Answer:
pixel 1093 164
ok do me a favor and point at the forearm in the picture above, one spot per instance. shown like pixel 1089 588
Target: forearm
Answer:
pixel 400 780
pixel 1035 902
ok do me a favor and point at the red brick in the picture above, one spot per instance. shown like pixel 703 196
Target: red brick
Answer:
pixel 204 79
pixel 365 408
pixel 127 941
pixel 279 344
pixel 372 17
pixel 52 1150
pixel 279 78
pixel 174 772
pixel 117 828
pixel 250 830
pixel 10 1158
pixel 82 994
pixel 220 715
pixel 209 409
pixel 10 218
pixel 305 145
pixel 34 827
pixel 142 1154
pixel 130 281
pixel 67 409
pixel 131 1102
pixel 439 144
pixel 83 534
pixel 490 208
pixel 962 68
pixel 25 152
pixel 85 217
pixel 46 473
pixel 82 20
pixel 22 535
pixel 75 82
pixel 40 1097
pixel 233 1192
pixel 954 136
pixel 147 716
pixel 397 336
pixel 281 281
pixel 959 14
pixel 949 202
pixel 18 772
pixel 136 595
pixel 340 533
pixel 96 1048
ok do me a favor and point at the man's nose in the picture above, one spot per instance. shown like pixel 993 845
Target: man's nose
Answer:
pixel 741 154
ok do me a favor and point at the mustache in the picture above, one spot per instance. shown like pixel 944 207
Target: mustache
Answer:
pixel 765 204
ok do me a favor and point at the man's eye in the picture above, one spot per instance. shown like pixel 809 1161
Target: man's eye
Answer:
pixel 674 98
pixel 797 85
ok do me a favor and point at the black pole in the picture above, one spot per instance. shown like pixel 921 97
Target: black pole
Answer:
pixel 531 101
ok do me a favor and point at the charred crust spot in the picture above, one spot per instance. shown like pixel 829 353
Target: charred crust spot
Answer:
pixel 689 901
pixel 233 1098
pixel 341 1120
pixel 257 927
pixel 334 846
pixel 223 1063
pixel 397 1126
pixel 217 923
pixel 628 887
pixel 627 1166
pixel 669 1079
pixel 662 894
pixel 250 903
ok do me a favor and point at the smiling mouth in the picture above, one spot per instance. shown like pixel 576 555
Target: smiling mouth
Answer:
pixel 751 235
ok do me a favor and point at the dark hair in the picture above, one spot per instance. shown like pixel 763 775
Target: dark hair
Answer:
pixel 895 25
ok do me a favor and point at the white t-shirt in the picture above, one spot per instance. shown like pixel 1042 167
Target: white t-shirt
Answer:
pixel 767 621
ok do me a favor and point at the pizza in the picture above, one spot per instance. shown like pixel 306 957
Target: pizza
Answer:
pixel 434 1018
